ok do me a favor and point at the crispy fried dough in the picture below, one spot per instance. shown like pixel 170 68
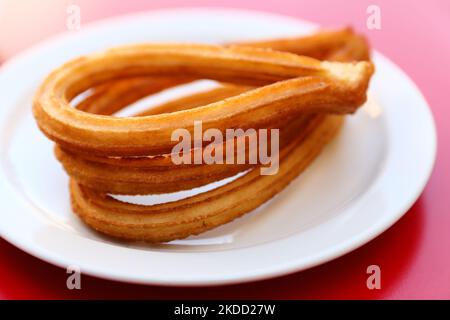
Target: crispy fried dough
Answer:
pixel 294 91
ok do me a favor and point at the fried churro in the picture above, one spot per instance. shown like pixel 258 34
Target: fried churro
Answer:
pixel 303 86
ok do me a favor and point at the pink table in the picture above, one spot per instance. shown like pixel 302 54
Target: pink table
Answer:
pixel 414 254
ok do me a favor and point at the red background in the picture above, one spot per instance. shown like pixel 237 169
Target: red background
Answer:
pixel 414 254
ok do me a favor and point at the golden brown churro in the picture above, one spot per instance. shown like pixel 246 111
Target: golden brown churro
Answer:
pixel 261 88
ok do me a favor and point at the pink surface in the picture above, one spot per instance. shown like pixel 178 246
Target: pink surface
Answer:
pixel 414 255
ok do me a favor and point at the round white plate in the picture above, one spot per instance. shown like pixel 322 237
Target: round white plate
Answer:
pixel 359 186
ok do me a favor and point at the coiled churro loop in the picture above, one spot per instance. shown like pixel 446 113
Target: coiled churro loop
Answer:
pixel 261 88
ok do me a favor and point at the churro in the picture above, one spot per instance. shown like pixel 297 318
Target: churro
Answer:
pixel 303 86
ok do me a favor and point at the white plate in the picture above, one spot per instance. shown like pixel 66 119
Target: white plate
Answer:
pixel 362 183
